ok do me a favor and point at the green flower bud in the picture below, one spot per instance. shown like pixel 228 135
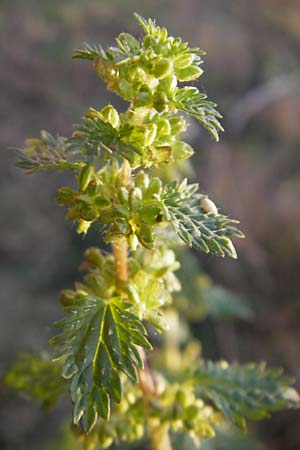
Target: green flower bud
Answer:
pixel 150 133
pixel 168 86
pixel 106 70
pixel 137 136
pixel 184 60
pixel 123 195
pixel 137 74
pixel 135 199
pixel 101 202
pixel 144 97
pixel 93 114
pixel 182 397
pixel 158 321
pixel 178 125
pixel 106 215
pixel 120 225
pixel 133 294
pixel 163 127
pixel 189 73
pixel 145 235
pixel 91 188
pixel 85 177
pixel 192 412
pixel 181 150
pixel 163 34
pixel 142 180
pixel 110 115
pixel 160 101
pixel 189 424
pixel 83 226
pixel 177 412
pixel 162 154
pixel 94 256
pixel 66 196
pixel 149 41
pixel 87 212
pixel 163 68
pixel 128 42
pixel 125 89
pixel 123 211
pixel 153 188
pixel 124 174
pixel 149 213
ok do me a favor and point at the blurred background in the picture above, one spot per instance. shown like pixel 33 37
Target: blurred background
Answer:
pixel 252 70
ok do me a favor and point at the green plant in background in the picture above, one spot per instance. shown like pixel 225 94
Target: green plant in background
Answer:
pixel 123 350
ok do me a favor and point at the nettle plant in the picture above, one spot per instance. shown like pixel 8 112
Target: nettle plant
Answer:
pixel 123 306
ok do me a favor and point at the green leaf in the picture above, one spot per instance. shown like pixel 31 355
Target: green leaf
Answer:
pixel 245 392
pixel 128 47
pixel 148 26
pixel 206 232
pixel 47 153
pixel 97 344
pixel 189 73
pixel 36 377
pixel 193 102
pixel 95 138
pixel 91 135
pixel 90 52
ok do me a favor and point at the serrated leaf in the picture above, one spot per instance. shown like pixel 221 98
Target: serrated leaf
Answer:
pixel 193 102
pixel 47 153
pixel 206 232
pixel 98 341
pixel 245 392
pixel 92 135
pixel 128 45
pixel 90 52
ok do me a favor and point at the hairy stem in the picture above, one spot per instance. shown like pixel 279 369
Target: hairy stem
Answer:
pixel 120 245
pixel 159 437
pixel 120 250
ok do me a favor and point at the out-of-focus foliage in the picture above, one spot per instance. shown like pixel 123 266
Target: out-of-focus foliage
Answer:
pixel 226 439
pixel 37 378
pixel 244 392
pixel 200 297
